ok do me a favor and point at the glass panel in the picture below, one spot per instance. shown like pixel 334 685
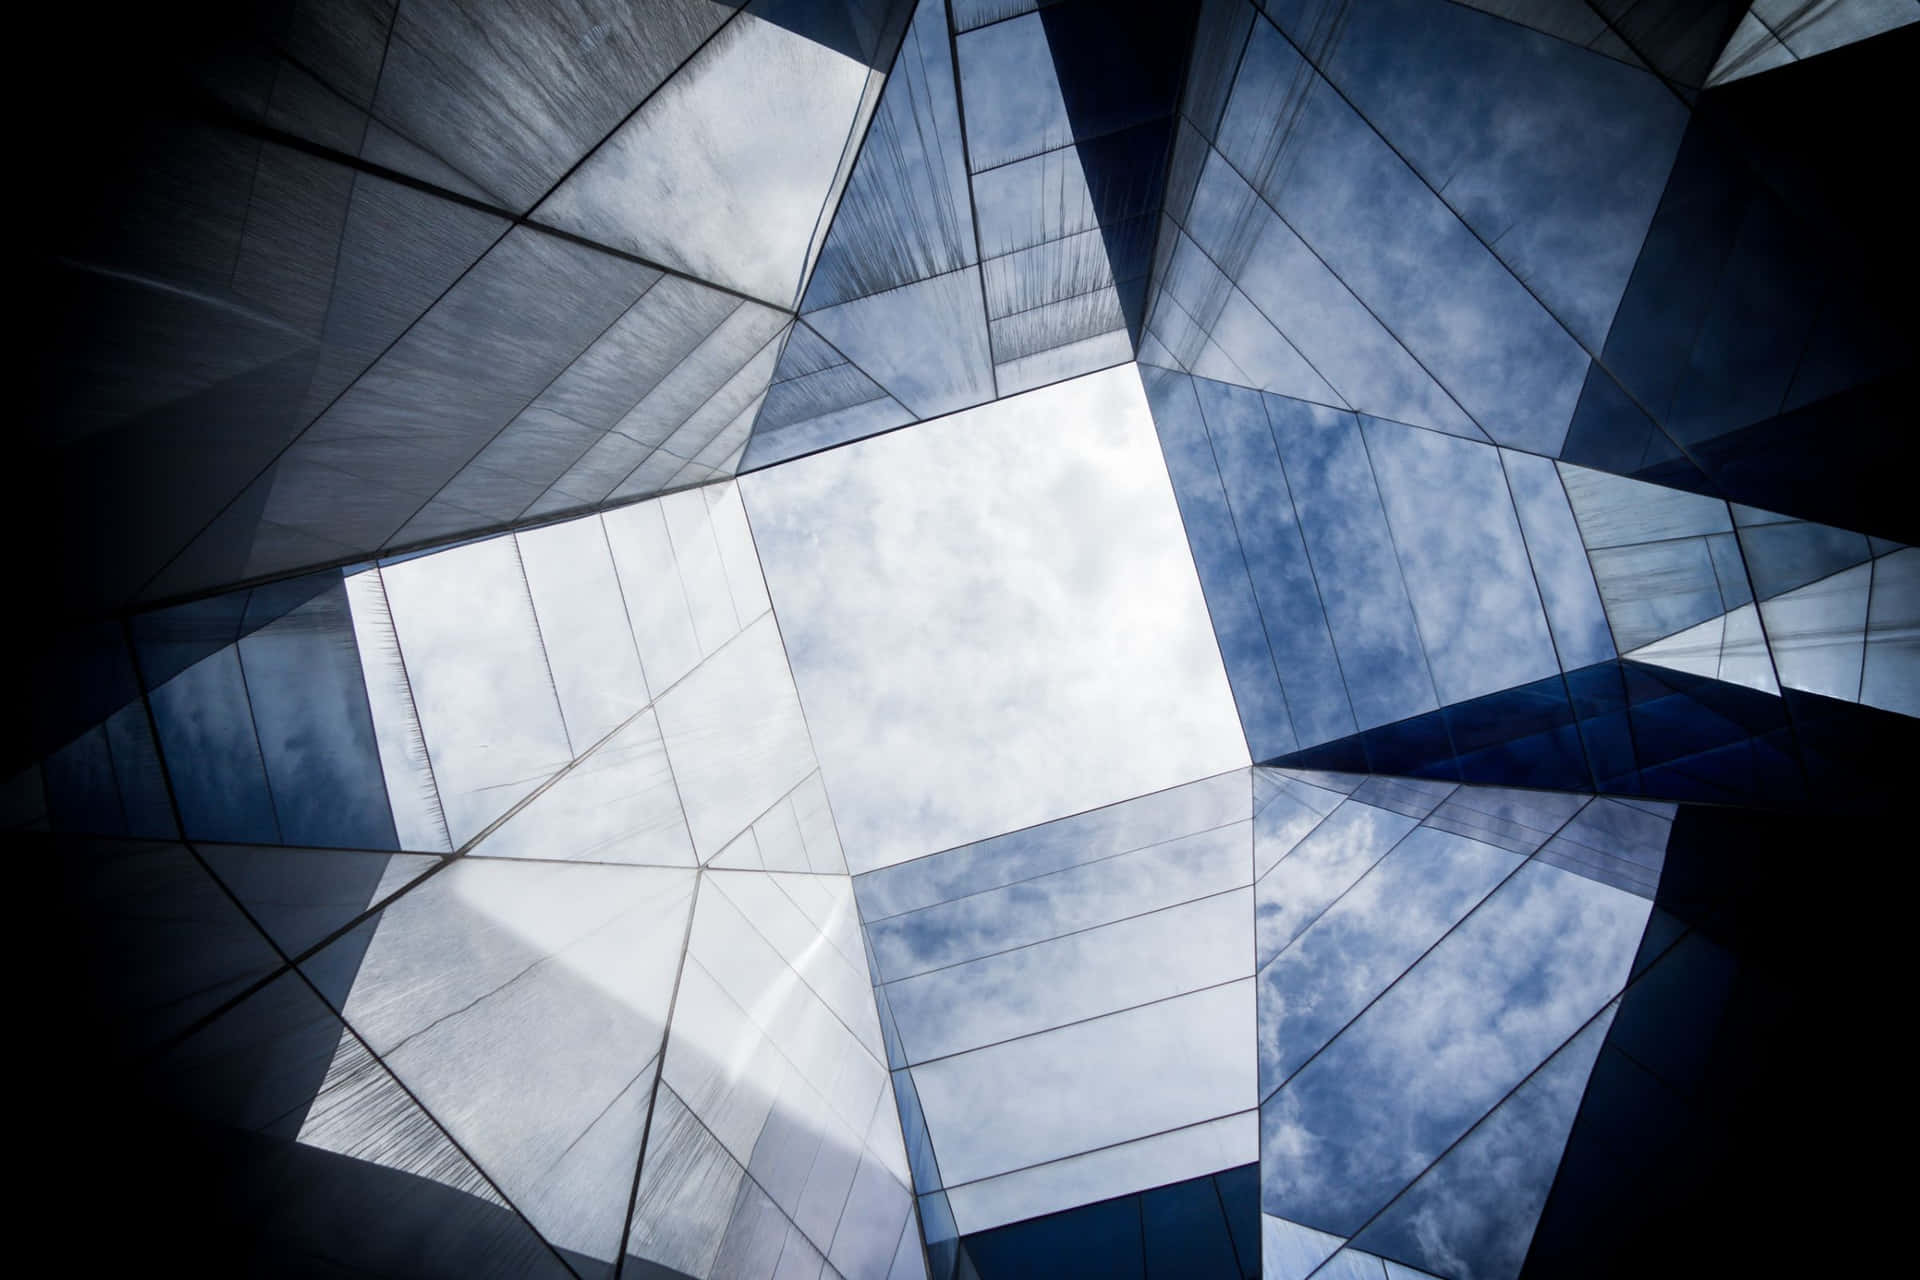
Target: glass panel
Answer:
pixel 1818 633
pixel 1656 589
pixel 1067 979
pixel 478 674
pixel 1012 93
pixel 1351 1264
pixel 689 1191
pixel 840 982
pixel 447 386
pixel 1807 32
pixel 1124 1076
pixel 1782 555
pixel 695 412
pixel 1289 1251
pixel 1365 940
pixel 299 896
pixel 1338 503
pixel 1322 867
pixel 1054 846
pixel 906 214
pixel 1286 808
pixel 1465 565
pixel 1517 821
pixel 1110 1171
pixel 1891 678
pixel 1243 345
pixel 1472 1214
pixel 1213 538
pixel 1043 368
pixel 348 1144
pixel 768 1067
pixel 616 804
pixel 1614 511
pixel 1103 182
pixel 1033 910
pixel 725 176
pixel 818 399
pixel 1392 241
pixel 583 627
pixel 652 590
pixel 213 756
pixel 868 1232
pixel 926 343
pixel 1445 102
pixel 516 106
pixel 1287 282
pixel 1283 577
pixel 1500 992
pixel 1616 843
pixel 523 1004
pixel 1222 33
pixel 1559 561
pixel 735 736
pixel 305 686
pixel 412 793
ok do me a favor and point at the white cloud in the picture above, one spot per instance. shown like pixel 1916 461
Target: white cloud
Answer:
pixel 993 619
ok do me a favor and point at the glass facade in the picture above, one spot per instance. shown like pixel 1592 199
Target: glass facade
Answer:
pixel 963 639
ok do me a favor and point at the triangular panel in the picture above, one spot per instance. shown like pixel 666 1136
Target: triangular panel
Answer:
pixel 524 1004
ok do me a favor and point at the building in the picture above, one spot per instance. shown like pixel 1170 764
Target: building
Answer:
pixel 896 639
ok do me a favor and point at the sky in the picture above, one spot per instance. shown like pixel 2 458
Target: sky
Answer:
pixel 993 619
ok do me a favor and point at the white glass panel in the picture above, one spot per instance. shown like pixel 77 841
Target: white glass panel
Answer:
pixel 479 675
pixel 583 624
pixel 1818 633
pixel 1321 868
pixel 735 736
pixel 1133 962
pixel 655 599
pixel 1189 1152
pixel 1289 1251
pixel 1892 676
pixel 1124 1076
pixel 724 172
pixel 616 805
pixel 524 1004
pixel 415 800
pixel 1048 906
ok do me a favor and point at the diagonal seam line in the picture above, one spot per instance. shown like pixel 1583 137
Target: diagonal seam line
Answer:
pixel 290 966
pixel 1418 960
pixel 1059 871
pixel 1095 927
pixel 514 222
pixel 973 202
pixel 1553 636
pixel 1233 288
pixel 1323 77
pixel 1221 985
pixel 653 1096
pixel 1035 826
pixel 787 963
pixel 1341 281
pixel 1108 1146
pixel 1246 567
pixel 1620 995
pixel 444 861
pixel 851 151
